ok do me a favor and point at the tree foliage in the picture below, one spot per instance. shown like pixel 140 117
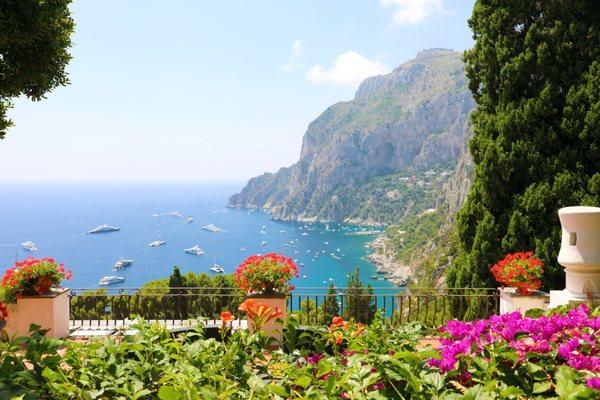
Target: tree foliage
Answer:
pixel 535 75
pixel 35 36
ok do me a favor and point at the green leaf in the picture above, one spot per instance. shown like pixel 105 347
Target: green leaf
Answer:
pixel 541 387
pixel 169 393
pixel 303 381
pixel 278 390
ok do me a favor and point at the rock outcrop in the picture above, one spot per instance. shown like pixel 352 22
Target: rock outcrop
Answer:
pixel 408 121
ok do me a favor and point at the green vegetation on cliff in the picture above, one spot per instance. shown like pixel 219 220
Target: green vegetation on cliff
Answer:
pixel 535 74
pixel 405 122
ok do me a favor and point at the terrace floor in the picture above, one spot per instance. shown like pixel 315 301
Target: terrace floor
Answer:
pixel 89 328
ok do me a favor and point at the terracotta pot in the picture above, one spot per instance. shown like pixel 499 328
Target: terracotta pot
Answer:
pixel 43 284
pixel 50 311
pixel 271 329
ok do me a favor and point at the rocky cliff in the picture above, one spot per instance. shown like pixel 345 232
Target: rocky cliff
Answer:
pixel 364 160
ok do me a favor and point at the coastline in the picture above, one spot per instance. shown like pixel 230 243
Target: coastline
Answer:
pixel 385 262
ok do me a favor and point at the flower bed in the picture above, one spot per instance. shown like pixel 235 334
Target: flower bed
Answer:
pixel 508 356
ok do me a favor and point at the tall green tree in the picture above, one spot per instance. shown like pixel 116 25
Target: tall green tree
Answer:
pixel 535 74
pixel 35 36
pixel 360 300
pixel 330 305
pixel 177 299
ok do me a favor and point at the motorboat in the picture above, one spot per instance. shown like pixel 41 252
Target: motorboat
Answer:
pixel 211 228
pixel 217 269
pixel 104 228
pixel 196 250
pixel 123 263
pixel 242 249
pixel 263 243
pixel 29 246
pixel 190 220
pixel 175 214
pixel 109 280
pixel 157 243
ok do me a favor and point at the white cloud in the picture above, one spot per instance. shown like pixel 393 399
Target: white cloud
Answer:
pixel 349 68
pixel 294 62
pixel 413 12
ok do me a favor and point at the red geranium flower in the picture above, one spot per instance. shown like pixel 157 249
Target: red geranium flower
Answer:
pixel 521 270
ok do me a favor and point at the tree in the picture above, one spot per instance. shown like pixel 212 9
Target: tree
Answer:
pixel 360 301
pixel 35 36
pixel 535 74
pixel 178 299
pixel 330 305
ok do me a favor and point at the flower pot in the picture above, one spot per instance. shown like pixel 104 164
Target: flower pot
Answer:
pixel 511 301
pixel 271 329
pixel 50 311
pixel 43 284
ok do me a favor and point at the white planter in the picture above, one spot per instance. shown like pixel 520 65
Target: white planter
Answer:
pixel 580 250
pixel 510 301
pixel 50 311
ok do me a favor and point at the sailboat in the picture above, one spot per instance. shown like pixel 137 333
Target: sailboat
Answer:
pixel 159 239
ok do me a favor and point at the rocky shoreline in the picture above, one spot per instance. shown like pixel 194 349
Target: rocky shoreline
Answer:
pixel 386 263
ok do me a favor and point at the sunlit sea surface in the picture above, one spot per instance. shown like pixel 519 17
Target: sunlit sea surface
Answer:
pixel 56 216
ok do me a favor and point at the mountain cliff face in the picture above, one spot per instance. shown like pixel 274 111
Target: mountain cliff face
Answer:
pixel 380 156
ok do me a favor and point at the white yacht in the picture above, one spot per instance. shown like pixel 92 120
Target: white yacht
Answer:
pixel 123 263
pixel 159 239
pixel 190 220
pixel 109 280
pixel 217 269
pixel 175 214
pixel 196 250
pixel 29 245
pixel 211 228
pixel 263 243
pixel 104 228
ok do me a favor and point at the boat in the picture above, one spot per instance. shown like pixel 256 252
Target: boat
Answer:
pixel 109 280
pixel 190 220
pixel 211 228
pixel 123 263
pixel 175 214
pixel 263 243
pixel 242 249
pixel 196 250
pixel 104 228
pixel 29 245
pixel 217 269
pixel 159 239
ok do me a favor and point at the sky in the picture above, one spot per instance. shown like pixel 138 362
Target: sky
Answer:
pixel 211 90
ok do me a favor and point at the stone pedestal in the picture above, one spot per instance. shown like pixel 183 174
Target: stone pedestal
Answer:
pixel 272 329
pixel 50 311
pixel 580 255
pixel 510 301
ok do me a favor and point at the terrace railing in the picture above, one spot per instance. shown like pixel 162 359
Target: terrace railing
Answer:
pixel 314 306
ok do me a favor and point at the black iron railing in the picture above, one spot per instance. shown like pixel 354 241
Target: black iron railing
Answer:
pixel 314 306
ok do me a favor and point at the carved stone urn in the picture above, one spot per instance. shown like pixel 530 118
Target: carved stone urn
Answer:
pixel 579 254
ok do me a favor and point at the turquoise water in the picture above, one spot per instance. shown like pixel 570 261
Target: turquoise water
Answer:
pixel 55 216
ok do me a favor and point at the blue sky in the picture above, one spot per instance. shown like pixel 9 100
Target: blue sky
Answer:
pixel 211 91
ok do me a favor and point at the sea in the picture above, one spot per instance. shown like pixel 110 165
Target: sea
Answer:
pixel 55 216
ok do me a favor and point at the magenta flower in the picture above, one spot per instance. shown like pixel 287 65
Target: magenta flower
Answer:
pixel 594 383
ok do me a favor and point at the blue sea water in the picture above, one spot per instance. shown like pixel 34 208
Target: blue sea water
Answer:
pixel 55 217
